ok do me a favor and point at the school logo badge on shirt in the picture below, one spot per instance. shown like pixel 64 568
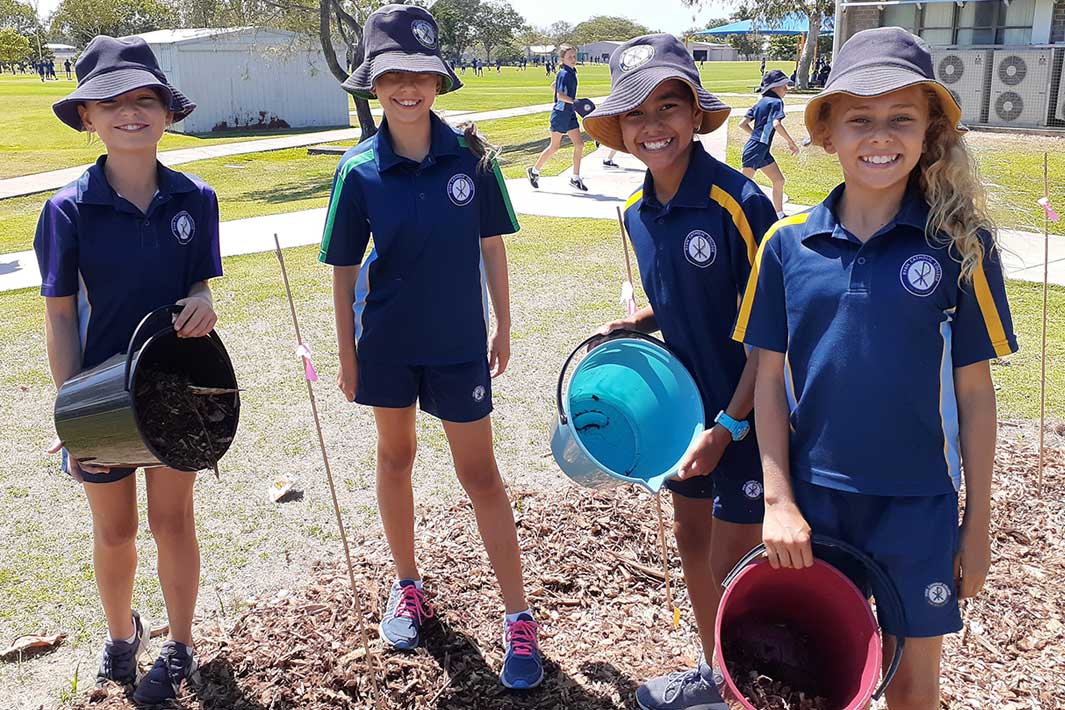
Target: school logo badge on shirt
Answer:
pixel 752 489
pixel 423 32
pixel 700 248
pixel 183 227
pixel 478 393
pixel 460 189
pixel 937 594
pixel 920 275
pixel 636 56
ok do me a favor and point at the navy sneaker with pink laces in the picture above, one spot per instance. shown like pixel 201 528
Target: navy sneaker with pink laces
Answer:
pixel 523 667
pixel 406 611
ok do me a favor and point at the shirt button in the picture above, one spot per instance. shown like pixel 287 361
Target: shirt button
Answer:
pixel 147 222
pixel 861 260
pixel 421 195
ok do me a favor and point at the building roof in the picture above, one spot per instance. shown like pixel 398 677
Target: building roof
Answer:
pixel 794 25
pixel 174 36
pixel 55 45
pixel 542 48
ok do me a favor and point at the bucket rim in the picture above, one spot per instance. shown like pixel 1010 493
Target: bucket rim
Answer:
pixel 568 423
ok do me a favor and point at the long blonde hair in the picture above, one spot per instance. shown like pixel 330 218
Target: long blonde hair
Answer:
pixel 949 179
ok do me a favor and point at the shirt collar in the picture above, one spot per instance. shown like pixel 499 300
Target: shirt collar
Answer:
pixel 442 141
pixel 93 188
pixel 823 220
pixel 694 190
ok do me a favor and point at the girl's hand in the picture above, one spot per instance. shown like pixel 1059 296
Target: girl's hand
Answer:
pixel 607 329
pixel 196 319
pixel 973 561
pixel 74 468
pixel 792 148
pixel 703 457
pixel 499 352
pixel 786 535
pixel 348 377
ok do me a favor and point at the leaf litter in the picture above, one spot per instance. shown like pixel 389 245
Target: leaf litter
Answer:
pixel 604 624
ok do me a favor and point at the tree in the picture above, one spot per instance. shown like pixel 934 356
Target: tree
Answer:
pixel 783 47
pixel 604 27
pixel 561 32
pixel 747 45
pixel 81 20
pixel 18 16
pixel 510 53
pixel 13 46
pixel 814 10
pixel 496 22
pixel 456 19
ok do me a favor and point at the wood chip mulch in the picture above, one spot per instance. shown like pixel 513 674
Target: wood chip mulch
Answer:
pixel 593 574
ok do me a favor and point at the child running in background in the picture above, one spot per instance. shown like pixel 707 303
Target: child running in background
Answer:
pixel 767 116
pixel 125 238
pixel 695 226
pixel 411 319
pixel 874 316
pixel 563 121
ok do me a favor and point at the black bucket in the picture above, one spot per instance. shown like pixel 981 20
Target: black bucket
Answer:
pixel 97 416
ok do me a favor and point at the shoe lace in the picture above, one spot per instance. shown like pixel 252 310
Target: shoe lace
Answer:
pixel 521 637
pixel 117 661
pixel 413 605
pixel 176 665
pixel 676 681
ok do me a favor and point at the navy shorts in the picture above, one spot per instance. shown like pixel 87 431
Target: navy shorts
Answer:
pixel 913 538
pixel 115 474
pixel 453 393
pixel 756 155
pixel 563 121
pixel 735 488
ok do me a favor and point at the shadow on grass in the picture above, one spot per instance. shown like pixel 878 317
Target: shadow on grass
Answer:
pixel 473 684
pixel 290 192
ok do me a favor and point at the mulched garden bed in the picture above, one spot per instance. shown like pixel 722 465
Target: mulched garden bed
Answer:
pixel 590 559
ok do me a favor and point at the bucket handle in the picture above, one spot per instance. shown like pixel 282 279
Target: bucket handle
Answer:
pixel 614 334
pixel 884 591
pixel 139 338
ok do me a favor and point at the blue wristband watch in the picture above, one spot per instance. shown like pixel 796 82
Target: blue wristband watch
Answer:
pixel 738 429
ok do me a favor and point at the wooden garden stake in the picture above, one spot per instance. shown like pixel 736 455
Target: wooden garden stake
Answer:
pixel 628 298
pixel 310 376
pixel 1048 215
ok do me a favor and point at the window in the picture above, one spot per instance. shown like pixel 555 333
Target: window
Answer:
pixel 1015 23
pixel 904 16
pixel 976 22
pixel 937 23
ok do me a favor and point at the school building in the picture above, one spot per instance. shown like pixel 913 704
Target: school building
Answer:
pixel 599 52
pixel 1002 59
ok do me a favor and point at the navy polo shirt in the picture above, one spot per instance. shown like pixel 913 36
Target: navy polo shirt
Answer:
pixel 872 333
pixel 122 263
pixel 421 296
pixel 695 255
pixel 769 108
pixel 565 83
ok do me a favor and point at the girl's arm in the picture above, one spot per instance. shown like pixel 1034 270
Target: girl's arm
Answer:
pixel 642 320
pixel 978 423
pixel 745 124
pixel 785 531
pixel 792 147
pixel 495 271
pixel 344 278
pixel 197 318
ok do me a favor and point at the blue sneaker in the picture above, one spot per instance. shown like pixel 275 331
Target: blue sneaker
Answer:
pixel 175 665
pixel 407 609
pixel 118 662
pixel 686 690
pixel 523 667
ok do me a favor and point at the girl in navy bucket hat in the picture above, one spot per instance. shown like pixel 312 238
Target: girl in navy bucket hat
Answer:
pixel 695 226
pixel 874 316
pixel 125 238
pixel 412 318
pixel 767 116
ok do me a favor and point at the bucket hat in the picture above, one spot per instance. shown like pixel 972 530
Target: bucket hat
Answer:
pixel 773 79
pixel 402 38
pixel 636 69
pixel 110 67
pixel 876 62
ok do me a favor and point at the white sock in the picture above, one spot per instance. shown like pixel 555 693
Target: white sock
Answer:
pixel 131 639
pixel 781 215
pixel 511 618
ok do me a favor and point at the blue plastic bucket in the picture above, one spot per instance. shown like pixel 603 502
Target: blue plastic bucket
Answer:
pixel 630 412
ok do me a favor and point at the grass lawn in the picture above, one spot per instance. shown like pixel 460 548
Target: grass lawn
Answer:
pixel 1011 167
pixel 32 139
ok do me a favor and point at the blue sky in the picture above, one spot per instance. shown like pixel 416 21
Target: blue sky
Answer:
pixel 666 15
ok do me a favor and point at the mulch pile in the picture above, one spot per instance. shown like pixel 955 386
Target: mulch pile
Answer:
pixel 591 561
pixel 189 431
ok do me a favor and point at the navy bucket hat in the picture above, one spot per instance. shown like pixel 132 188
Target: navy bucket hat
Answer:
pixel 110 67
pixel 876 62
pixel 773 79
pixel 400 38
pixel 636 69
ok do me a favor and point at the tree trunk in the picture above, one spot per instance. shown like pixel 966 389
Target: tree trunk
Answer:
pixel 802 75
pixel 362 106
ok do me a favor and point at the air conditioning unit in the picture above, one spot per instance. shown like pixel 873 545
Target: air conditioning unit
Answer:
pixel 1019 81
pixel 964 72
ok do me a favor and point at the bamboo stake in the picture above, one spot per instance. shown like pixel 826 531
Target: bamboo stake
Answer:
pixel 371 666
pixel 658 498
pixel 1043 351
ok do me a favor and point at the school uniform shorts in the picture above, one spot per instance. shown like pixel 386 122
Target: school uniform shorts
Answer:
pixel 453 393
pixel 756 155
pixel 913 538
pixel 563 121
pixel 115 474
pixel 735 489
